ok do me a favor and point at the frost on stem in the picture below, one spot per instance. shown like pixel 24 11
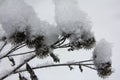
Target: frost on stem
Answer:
pixel 71 20
pixel 102 58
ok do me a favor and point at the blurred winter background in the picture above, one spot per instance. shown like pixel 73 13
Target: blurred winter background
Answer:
pixel 105 16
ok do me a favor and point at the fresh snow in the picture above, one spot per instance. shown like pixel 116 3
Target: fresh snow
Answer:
pixel 102 52
pixel 70 19
pixel 18 16
pixel 50 32
pixel 15 15
pixel 2 32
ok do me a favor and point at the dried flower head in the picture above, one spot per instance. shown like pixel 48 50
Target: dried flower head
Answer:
pixel 37 42
pixel 18 37
pixel 42 51
pixel 102 58
pixel 89 43
pixel 104 69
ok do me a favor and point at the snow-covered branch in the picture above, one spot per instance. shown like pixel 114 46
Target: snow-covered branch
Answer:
pixel 21 27
pixel 27 59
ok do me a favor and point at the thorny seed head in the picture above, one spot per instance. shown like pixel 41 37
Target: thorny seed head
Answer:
pixel 86 44
pixel 104 69
pixel 42 51
pixel 18 37
pixel 89 43
pixel 76 45
pixel 37 42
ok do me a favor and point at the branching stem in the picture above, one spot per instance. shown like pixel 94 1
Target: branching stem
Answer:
pixel 12 50
pixel 5 43
pixel 16 68
pixel 56 65
pixel 21 53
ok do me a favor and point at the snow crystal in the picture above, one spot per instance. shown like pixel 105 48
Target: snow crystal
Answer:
pixel 69 18
pixel 102 52
pixel 15 15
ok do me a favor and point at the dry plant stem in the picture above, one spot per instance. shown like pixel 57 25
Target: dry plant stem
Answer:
pixel 5 43
pixel 89 67
pixel 56 45
pixel 21 53
pixel 56 65
pixel 63 46
pixel 12 50
pixel 19 47
pixel 20 65
pixel 61 42
pixel 84 61
pixel 16 68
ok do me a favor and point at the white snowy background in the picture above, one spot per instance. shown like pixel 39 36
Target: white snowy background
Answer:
pixel 105 16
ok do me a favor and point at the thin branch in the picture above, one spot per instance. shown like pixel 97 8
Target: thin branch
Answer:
pixel 16 68
pixel 63 46
pixel 84 61
pixel 12 50
pixel 20 53
pixel 60 42
pixel 89 67
pixel 56 65
pixel 21 46
pixel 62 39
pixel 5 43
pixel 87 64
pixel 31 72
